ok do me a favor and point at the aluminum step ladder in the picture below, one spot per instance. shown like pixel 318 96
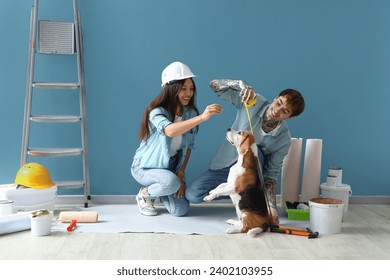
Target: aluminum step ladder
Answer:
pixel 57 38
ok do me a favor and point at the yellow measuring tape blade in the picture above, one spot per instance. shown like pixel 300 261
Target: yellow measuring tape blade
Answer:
pixel 247 105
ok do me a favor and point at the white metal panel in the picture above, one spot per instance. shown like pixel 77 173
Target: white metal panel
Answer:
pixel 56 37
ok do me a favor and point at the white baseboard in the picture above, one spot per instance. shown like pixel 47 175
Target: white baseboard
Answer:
pixel 130 199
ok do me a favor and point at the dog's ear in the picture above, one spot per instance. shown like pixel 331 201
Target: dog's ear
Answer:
pixel 244 144
pixel 245 137
pixel 247 140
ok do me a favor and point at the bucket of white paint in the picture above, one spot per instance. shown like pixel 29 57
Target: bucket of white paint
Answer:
pixel 342 192
pixel 331 180
pixel 41 222
pixel 6 207
pixel 335 176
pixel 326 215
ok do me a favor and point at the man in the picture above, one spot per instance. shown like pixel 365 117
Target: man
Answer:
pixel 269 128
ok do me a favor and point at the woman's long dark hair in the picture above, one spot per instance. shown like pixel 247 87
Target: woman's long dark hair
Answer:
pixel 168 98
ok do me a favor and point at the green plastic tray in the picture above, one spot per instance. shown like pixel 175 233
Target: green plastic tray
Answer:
pixel 297 214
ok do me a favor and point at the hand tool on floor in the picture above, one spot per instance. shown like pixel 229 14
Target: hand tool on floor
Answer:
pixel 74 217
pixel 292 230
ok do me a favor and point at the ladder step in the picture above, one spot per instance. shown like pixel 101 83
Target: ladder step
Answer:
pixel 54 152
pixel 66 119
pixel 69 184
pixel 56 85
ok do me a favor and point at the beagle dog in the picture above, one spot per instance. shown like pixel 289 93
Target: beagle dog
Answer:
pixel 244 187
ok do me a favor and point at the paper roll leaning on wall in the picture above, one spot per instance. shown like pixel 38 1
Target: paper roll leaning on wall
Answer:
pixel 291 170
pixel 312 170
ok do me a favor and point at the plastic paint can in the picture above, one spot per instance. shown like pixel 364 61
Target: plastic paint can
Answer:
pixel 326 215
pixel 41 225
pixel 342 192
pixel 335 172
pixel 6 207
pixel 331 180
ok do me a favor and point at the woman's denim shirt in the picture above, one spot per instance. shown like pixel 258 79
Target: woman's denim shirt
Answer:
pixel 154 151
pixel 273 145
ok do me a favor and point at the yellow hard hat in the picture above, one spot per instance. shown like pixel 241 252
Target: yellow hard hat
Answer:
pixel 33 175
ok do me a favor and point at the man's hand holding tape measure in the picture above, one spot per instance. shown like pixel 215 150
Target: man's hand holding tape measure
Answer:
pixel 247 94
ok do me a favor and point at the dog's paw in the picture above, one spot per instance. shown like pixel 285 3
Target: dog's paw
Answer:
pixel 233 230
pixel 233 222
pixel 254 231
pixel 212 191
pixel 208 198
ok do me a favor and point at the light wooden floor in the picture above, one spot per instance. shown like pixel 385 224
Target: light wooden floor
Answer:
pixel 365 236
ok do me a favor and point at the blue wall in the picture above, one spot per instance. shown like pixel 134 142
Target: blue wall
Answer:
pixel 337 53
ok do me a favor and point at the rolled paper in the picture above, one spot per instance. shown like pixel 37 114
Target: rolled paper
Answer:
pixel 291 170
pixel 14 223
pixel 312 170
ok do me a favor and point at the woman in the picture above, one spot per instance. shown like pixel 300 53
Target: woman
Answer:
pixel 167 135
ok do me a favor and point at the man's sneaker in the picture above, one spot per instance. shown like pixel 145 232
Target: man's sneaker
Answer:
pixel 145 204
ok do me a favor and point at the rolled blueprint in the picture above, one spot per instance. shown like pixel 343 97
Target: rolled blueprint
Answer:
pixel 291 170
pixel 15 222
pixel 311 170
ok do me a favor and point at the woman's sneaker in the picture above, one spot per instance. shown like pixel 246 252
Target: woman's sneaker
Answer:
pixel 145 204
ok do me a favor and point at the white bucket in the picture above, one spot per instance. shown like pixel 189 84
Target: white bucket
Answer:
pixel 336 174
pixel 342 192
pixel 6 207
pixel 41 225
pixel 331 180
pixel 326 215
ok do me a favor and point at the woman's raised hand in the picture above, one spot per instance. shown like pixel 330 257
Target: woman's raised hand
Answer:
pixel 212 109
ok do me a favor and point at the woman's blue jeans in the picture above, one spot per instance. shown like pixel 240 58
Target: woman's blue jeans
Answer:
pixel 162 183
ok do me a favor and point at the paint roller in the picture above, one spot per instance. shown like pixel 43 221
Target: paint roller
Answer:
pixel 74 217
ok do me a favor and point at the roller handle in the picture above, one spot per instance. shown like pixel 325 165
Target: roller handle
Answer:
pixel 71 225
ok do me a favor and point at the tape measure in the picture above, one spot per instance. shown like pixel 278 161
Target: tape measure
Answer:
pixel 247 105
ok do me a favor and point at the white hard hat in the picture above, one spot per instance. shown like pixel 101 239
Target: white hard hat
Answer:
pixel 176 71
